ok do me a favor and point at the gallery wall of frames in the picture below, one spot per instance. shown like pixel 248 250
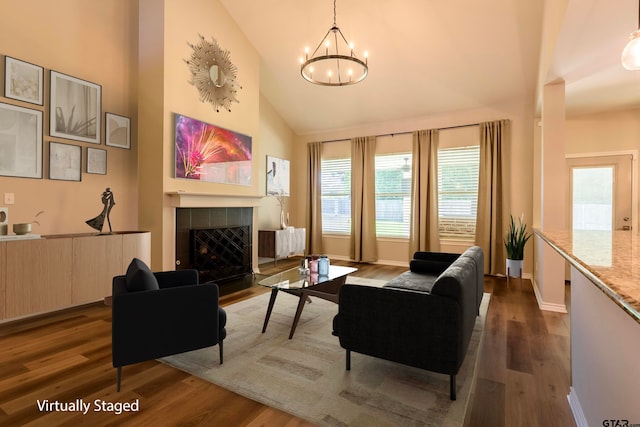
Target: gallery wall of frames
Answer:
pixel 75 114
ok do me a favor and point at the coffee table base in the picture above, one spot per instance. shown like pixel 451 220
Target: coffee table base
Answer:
pixel 328 291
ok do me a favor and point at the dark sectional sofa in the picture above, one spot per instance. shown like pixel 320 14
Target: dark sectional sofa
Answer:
pixel 422 318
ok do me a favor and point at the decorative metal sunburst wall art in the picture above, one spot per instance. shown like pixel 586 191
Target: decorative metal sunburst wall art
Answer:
pixel 213 74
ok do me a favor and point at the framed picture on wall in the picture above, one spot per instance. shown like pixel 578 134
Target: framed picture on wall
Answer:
pixel 65 161
pixel 118 133
pixel 23 81
pixel 20 141
pixel 75 108
pixel 96 161
pixel 277 176
pixel 205 152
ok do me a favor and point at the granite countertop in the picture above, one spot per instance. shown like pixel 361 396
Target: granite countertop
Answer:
pixel 609 259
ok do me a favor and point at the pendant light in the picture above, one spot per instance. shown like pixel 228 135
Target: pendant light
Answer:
pixel 334 62
pixel 631 52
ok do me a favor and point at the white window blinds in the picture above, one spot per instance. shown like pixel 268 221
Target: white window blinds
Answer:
pixel 458 171
pixel 393 195
pixel 336 196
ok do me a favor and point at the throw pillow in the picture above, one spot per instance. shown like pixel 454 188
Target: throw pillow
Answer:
pixel 140 278
pixel 428 266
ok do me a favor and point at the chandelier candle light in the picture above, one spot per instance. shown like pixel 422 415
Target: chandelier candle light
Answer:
pixel 334 62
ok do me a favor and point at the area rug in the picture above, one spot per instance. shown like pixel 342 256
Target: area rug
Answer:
pixel 306 376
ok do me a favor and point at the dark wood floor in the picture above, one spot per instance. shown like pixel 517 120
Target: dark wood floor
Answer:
pixel 523 376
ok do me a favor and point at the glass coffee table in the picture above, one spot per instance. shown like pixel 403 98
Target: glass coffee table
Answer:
pixel 305 286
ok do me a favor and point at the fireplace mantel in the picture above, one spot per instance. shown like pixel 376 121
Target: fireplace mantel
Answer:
pixel 180 199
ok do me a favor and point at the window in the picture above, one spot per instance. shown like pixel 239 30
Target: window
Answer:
pixel 592 198
pixel 336 196
pixel 393 195
pixel 458 170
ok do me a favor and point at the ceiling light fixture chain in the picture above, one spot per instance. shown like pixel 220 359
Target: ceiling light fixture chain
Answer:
pixel 336 64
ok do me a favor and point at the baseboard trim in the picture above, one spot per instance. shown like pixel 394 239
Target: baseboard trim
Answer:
pixel 394 263
pixel 547 306
pixel 576 409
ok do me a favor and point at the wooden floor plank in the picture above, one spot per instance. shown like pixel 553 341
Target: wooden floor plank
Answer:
pixel 488 405
pixel 520 391
pixel 523 368
pixel 518 347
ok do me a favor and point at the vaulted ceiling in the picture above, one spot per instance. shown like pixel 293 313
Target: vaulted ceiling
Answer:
pixel 437 56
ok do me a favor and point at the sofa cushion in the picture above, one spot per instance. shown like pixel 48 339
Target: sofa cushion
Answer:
pixel 140 278
pixel 412 281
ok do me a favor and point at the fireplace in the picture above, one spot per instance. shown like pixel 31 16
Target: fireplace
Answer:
pixel 222 253
pixel 215 241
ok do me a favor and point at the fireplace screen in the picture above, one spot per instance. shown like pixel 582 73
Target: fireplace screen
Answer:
pixel 221 254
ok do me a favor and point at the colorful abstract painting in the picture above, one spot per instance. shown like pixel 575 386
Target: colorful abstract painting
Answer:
pixel 209 153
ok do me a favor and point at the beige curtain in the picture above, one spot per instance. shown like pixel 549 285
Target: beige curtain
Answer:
pixel 424 234
pixel 364 247
pixel 314 201
pixel 493 193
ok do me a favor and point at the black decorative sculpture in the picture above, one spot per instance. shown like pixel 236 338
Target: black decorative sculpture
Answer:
pixel 108 202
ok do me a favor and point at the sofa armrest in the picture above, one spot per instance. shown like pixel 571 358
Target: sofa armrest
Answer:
pixel 414 328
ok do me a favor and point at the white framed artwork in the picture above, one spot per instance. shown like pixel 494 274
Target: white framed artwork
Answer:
pixel 96 161
pixel 277 176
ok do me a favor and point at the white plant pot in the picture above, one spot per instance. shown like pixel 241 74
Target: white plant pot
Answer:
pixel 514 267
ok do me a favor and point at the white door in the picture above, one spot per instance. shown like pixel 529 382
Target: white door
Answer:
pixel 600 192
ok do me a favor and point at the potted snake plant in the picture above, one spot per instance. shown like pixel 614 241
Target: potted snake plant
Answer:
pixel 514 242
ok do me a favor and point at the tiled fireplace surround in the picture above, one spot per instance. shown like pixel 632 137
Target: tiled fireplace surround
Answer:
pixel 206 210
pixel 198 211
pixel 231 229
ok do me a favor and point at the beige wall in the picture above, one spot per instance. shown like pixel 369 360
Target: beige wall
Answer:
pixel 612 132
pixel 165 29
pixel 603 133
pixel 94 41
pixel 396 252
pixel 277 140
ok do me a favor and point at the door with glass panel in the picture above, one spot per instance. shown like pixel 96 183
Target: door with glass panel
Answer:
pixel 600 192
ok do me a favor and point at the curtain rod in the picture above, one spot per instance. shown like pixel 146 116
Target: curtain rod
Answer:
pixel 403 133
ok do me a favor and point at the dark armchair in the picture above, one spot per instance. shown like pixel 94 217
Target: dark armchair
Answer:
pixel 160 314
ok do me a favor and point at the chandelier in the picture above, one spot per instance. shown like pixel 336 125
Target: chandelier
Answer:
pixel 334 62
pixel 631 52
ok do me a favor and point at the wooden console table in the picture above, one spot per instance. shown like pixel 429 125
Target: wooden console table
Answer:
pixel 60 271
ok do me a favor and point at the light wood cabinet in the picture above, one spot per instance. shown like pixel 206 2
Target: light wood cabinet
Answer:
pixel 135 245
pixel 56 272
pixel 95 262
pixel 38 276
